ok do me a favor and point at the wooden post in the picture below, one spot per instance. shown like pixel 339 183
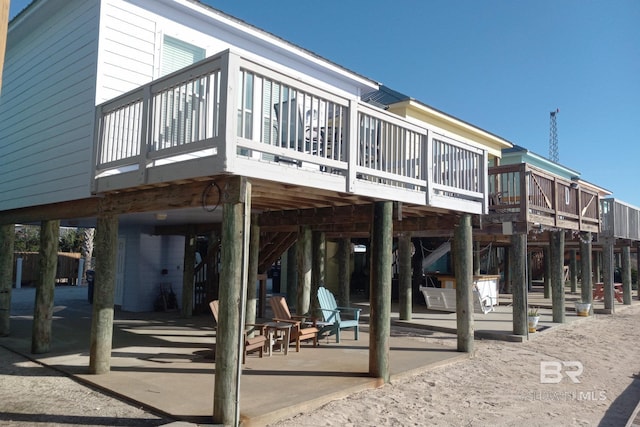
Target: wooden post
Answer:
pixel 230 329
pixel 106 252
pixel 318 257
pixel 626 274
pixel 188 271
pixel 573 270
pixel 586 287
pixel 518 258
pixel 213 249
pixel 292 274
pixel 380 293
pixel 463 249
pixel 507 273
pixel 344 270
pixel 43 310
pixel 529 268
pixel 405 300
pixel 546 258
pixel 7 238
pixel 304 268
pixel 476 258
pixel 608 271
pixel 556 252
pixel 254 257
pixel 597 275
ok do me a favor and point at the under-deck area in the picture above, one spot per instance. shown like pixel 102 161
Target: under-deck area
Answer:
pixel 163 362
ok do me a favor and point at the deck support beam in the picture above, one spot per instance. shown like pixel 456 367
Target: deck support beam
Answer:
pixel 188 271
pixel 7 239
pixel 380 290
pixel 463 269
pixel 233 280
pixel 518 258
pixel 106 252
pixel 344 267
pixel 556 254
pixel 586 256
pixel 608 260
pixel 626 274
pixel 405 296
pixel 43 309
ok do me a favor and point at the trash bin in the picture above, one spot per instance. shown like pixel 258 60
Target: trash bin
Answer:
pixel 91 277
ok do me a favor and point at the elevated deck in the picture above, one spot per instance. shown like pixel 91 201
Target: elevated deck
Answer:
pixel 530 198
pixel 230 116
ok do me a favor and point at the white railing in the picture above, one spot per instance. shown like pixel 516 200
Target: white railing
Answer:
pixel 227 114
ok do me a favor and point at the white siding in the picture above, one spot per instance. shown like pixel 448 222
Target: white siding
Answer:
pixel 47 106
pixel 127 49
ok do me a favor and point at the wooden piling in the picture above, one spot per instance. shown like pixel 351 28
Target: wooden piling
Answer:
pixel 7 239
pixel 344 268
pixel 230 328
pixel 318 268
pixel 106 251
pixel 463 268
pixel 304 268
pixel 43 310
pixel 608 272
pixel 518 258
pixel 405 295
pixel 626 275
pixel 380 294
pixel 254 258
pixel 556 253
pixel 586 286
pixel 573 270
pixel 292 274
pixel 546 258
pixel 188 271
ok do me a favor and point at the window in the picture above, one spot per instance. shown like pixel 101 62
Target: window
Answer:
pixel 177 54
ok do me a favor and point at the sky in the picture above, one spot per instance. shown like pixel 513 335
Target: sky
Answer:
pixel 501 65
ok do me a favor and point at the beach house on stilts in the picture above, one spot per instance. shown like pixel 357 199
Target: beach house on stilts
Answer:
pixel 159 121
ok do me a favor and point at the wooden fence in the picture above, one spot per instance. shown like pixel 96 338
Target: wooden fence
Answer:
pixel 66 272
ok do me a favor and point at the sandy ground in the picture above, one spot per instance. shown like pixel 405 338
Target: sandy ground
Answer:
pixel 504 385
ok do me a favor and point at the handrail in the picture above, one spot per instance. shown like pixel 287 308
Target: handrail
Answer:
pixel 522 192
pixel 228 114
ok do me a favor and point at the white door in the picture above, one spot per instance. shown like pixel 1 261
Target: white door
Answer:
pixel 119 294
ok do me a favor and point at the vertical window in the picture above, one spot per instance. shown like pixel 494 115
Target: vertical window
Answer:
pixel 177 54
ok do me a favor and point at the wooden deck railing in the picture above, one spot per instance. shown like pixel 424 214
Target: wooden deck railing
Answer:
pixel 227 114
pixel 548 200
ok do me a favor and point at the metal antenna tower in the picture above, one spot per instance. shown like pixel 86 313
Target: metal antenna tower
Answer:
pixel 553 136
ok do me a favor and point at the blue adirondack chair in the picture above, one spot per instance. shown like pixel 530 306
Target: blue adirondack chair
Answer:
pixel 332 315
